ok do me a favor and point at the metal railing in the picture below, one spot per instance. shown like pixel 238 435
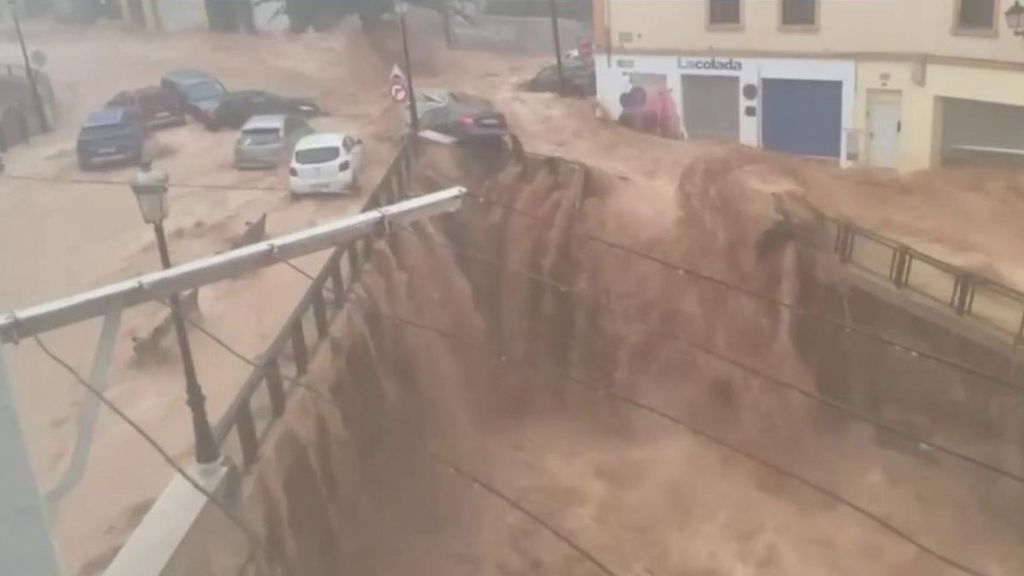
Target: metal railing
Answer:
pixel 992 303
pixel 261 401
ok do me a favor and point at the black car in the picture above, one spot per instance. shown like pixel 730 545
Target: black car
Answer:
pixel 460 116
pixel 197 92
pixel 237 107
pixel 580 79
pixel 112 134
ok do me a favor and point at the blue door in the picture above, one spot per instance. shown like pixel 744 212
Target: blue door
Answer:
pixel 802 116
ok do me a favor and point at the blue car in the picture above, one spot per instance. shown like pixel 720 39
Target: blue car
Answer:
pixel 112 134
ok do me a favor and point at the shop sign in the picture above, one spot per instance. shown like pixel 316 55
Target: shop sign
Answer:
pixel 710 64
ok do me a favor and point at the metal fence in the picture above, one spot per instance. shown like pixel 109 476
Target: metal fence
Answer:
pixel 261 400
pixel 993 304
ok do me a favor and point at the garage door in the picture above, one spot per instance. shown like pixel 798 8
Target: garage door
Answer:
pixel 981 131
pixel 802 116
pixel 711 106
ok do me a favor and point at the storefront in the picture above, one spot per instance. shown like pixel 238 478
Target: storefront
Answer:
pixel 800 106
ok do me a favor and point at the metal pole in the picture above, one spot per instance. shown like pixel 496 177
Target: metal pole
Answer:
pixel 44 124
pixel 558 47
pixel 206 448
pixel 414 117
pixel 25 543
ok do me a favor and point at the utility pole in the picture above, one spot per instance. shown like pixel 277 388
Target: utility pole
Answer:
pixel 558 47
pixel 25 543
pixel 414 118
pixel 30 73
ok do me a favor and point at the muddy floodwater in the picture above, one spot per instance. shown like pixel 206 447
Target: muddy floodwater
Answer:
pixel 507 395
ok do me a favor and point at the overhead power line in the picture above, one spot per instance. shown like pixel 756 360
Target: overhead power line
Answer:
pixel 679 422
pixel 126 183
pixel 678 268
pixel 732 361
pixel 437 457
pixel 251 534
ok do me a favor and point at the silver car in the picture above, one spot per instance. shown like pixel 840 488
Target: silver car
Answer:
pixel 266 140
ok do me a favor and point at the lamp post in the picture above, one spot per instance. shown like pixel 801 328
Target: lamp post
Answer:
pixel 414 118
pixel 30 73
pixel 150 188
pixel 1015 18
pixel 558 47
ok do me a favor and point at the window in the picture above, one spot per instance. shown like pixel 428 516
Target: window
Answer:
pixel 724 13
pixel 259 136
pixel 800 13
pixel 976 15
pixel 204 91
pixel 317 155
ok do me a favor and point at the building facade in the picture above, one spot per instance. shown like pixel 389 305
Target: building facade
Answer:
pixel 907 84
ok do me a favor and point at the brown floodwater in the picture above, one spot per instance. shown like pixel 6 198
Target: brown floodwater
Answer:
pixel 506 395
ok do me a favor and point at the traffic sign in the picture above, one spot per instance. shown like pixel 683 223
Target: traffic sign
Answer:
pixel 398 93
pixel 397 76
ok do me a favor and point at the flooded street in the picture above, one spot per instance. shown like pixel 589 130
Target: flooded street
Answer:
pixel 643 495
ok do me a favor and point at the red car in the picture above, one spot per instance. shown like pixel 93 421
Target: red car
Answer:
pixel 156 107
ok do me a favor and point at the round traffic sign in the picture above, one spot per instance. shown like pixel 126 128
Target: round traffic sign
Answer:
pixel 398 93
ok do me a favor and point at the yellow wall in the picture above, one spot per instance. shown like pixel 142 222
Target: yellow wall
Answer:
pixel 845 26
pixel 888 39
pixel 922 130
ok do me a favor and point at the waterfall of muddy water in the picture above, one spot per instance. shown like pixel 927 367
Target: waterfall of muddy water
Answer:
pixel 348 488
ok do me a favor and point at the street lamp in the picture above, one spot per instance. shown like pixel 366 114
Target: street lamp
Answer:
pixel 1015 18
pixel 150 188
pixel 30 73
pixel 401 7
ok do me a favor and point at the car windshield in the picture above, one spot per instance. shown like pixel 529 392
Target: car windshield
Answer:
pixel 259 136
pixel 204 91
pixel 317 155
pixel 105 131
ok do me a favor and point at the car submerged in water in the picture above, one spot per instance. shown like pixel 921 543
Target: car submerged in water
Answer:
pixel 197 93
pixel 111 135
pixel 325 164
pixel 580 79
pixel 267 140
pixel 235 108
pixel 463 117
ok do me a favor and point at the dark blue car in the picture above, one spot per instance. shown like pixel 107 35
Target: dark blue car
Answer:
pixel 112 134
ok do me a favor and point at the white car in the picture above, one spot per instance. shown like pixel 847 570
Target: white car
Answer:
pixel 325 164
